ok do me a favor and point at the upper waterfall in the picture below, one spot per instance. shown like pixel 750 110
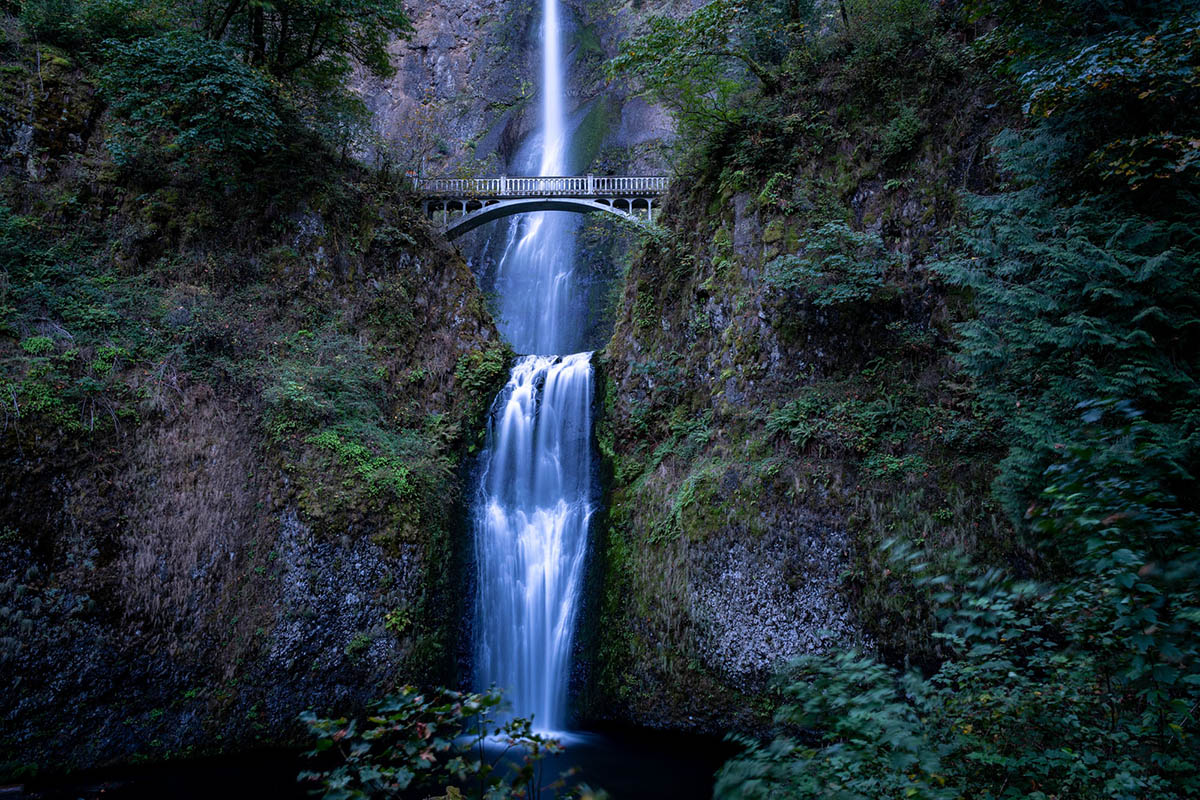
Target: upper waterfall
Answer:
pixel 535 278
pixel 554 118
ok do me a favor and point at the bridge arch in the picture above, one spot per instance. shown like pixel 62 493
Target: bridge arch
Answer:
pixel 463 204
pixel 472 214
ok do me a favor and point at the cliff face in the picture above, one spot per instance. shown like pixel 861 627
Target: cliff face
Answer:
pixel 465 92
pixel 461 88
pixel 233 423
pixel 781 402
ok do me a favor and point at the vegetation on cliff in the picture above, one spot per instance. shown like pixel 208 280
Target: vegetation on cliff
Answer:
pixel 908 386
pixel 239 376
pixel 1063 655
pixel 782 400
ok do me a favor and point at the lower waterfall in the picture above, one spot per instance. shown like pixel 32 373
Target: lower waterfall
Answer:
pixel 531 523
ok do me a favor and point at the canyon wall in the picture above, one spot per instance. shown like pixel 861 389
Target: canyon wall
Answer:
pixel 233 430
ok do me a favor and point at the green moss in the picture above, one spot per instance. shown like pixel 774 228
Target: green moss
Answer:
pixel 774 232
pixel 591 133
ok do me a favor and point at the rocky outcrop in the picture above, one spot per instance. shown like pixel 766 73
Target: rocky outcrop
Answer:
pixel 767 440
pixel 758 601
pixel 228 492
pixel 461 88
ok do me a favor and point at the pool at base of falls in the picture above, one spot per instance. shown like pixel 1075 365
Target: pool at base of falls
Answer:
pixel 627 763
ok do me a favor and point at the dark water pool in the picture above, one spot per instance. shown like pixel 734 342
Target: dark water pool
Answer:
pixel 641 764
pixel 628 764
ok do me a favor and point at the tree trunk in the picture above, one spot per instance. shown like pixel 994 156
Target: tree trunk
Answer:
pixel 281 44
pixel 218 31
pixel 258 37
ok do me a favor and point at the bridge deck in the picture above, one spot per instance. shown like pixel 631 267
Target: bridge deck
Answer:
pixel 564 186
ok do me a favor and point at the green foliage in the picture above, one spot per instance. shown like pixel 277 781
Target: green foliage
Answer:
pixel 479 370
pixel 479 374
pixel 1078 301
pixel 1116 85
pixel 378 472
pixel 1112 86
pixel 695 66
pixel 326 408
pixel 310 41
pixel 67 376
pixel 873 743
pixel 357 646
pixel 82 23
pixel 181 92
pixel 436 743
pixel 38 345
pixel 902 134
pixel 881 465
pixel 1084 688
pixel 215 80
pixel 50 19
pixel 1086 287
pixel 838 265
pixel 398 620
pixel 1083 269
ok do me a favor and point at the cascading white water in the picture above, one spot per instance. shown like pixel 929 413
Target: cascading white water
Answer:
pixel 531 533
pixel 535 495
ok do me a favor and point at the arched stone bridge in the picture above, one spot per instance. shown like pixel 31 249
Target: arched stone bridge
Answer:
pixel 463 204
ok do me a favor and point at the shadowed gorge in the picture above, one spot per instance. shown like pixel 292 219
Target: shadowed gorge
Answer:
pixel 860 464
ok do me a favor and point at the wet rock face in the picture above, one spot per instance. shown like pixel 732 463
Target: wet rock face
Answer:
pixel 339 598
pixel 202 624
pixel 759 601
pixel 466 86
pixel 90 691
pixel 462 77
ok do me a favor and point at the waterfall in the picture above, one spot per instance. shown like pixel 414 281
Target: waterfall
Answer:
pixel 535 494
pixel 531 533
pixel 535 274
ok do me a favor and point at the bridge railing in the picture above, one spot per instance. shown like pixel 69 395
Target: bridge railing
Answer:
pixel 549 186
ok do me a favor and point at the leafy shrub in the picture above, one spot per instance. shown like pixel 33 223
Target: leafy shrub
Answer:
pixel 82 24
pixel 435 742
pixel 38 345
pixel 124 20
pixel 54 21
pixel 479 374
pixel 179 93
pixel 873 742
pixel 1082 688
pixel 838 265
pixel 902 134
pixel 1077 301
pixel 479 370
pixel 1125 103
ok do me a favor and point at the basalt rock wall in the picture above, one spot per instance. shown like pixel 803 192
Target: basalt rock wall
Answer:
pixel 230 440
